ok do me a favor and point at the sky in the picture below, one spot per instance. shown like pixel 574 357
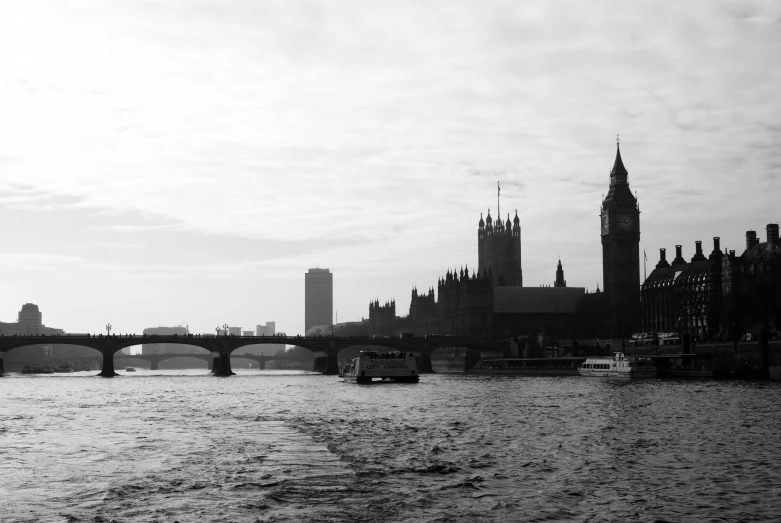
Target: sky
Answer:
pixel 186 162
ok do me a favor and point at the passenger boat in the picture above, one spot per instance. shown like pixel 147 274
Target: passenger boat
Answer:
pixel 619 366
pixel 389 366
pixel 130 369
pixel 48 369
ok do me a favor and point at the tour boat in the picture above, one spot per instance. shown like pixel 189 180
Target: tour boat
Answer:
pixel 130 369
pixel 48 369
pixel 389 366
pixel 619 366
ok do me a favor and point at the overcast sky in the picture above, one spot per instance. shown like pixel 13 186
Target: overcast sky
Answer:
pixel 185 162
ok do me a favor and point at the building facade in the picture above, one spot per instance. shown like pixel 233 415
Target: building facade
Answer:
pixel 499 250
pixel 684 296
pixel 318 298
pixel 722 296
pixel 620 231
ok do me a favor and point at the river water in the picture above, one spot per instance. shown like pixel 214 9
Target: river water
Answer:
pixel 184 446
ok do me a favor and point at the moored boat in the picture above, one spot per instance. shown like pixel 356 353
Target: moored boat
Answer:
pixel 619 366
pixel 130 369
pixel 389 366
pixel 528 366
pixel 48 369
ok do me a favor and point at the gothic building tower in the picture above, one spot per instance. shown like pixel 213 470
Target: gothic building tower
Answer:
pixel 499 250
pixel 560 281
pixel 620 226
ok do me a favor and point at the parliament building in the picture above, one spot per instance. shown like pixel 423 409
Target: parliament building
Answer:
pixel 492 303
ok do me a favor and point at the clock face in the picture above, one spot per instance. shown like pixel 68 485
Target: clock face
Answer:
pixel 605 223
pixel 625 223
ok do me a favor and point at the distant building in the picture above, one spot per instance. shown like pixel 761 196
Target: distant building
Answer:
pixel 29 321
pixel 31 317
pixel 719 296
pixel 560 281
pixel 499 250
pixel 318 298
pixel 267 330
pixel 266 349
pixel 166 348
pixel 471 305
pixel 620 227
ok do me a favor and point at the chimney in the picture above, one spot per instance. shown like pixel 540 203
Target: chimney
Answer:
pixel 751 239
pixel 662 259
pixel 716 254
pixel 678 257
pixel 731 255
pixel 698 256
pixel 772 233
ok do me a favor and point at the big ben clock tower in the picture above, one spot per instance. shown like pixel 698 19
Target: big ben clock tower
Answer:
pixel 620 227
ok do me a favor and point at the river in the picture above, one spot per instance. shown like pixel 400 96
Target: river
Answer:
pixel 184 446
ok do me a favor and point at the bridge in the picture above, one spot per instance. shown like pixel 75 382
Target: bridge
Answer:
pixel 325 348
pixel 155 359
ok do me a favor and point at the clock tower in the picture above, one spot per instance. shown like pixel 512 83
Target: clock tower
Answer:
pixel 620 229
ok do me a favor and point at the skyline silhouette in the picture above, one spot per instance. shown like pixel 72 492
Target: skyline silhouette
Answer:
pixel 187 165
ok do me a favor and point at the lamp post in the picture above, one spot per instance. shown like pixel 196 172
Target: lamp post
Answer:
pixel 108 329
pixel 226 328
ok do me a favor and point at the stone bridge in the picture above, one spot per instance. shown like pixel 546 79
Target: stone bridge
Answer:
pixel 325 348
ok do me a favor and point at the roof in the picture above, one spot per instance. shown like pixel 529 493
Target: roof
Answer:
pixel 618 166
pixel 684 271
pixel 527 300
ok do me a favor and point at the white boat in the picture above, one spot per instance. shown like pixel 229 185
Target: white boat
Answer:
pixel 388 366
pixel 619 366
pixel 130 369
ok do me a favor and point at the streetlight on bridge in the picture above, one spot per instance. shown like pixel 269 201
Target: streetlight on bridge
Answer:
pixel 108 329
pixel 226 328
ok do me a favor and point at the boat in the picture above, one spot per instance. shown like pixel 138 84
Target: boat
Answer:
pixel 453 360
pixel 27 369
pixel 564 366
pixel 619 366
pixel 389 366
pixel 65 367
pixel 48 369
pixel 130 369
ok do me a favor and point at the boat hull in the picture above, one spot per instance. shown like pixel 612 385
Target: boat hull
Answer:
pixel 525 372
pixel 365 380
pixel 615 374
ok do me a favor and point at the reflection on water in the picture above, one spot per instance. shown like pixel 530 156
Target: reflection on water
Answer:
pixel 293 446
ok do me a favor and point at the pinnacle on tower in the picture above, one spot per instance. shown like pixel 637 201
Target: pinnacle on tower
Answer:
pixel 618 165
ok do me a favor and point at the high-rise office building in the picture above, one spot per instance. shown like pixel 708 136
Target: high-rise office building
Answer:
pixel 318 298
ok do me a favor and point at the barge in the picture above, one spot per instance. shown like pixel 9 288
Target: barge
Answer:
pixel 528 366
pixel 369 366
